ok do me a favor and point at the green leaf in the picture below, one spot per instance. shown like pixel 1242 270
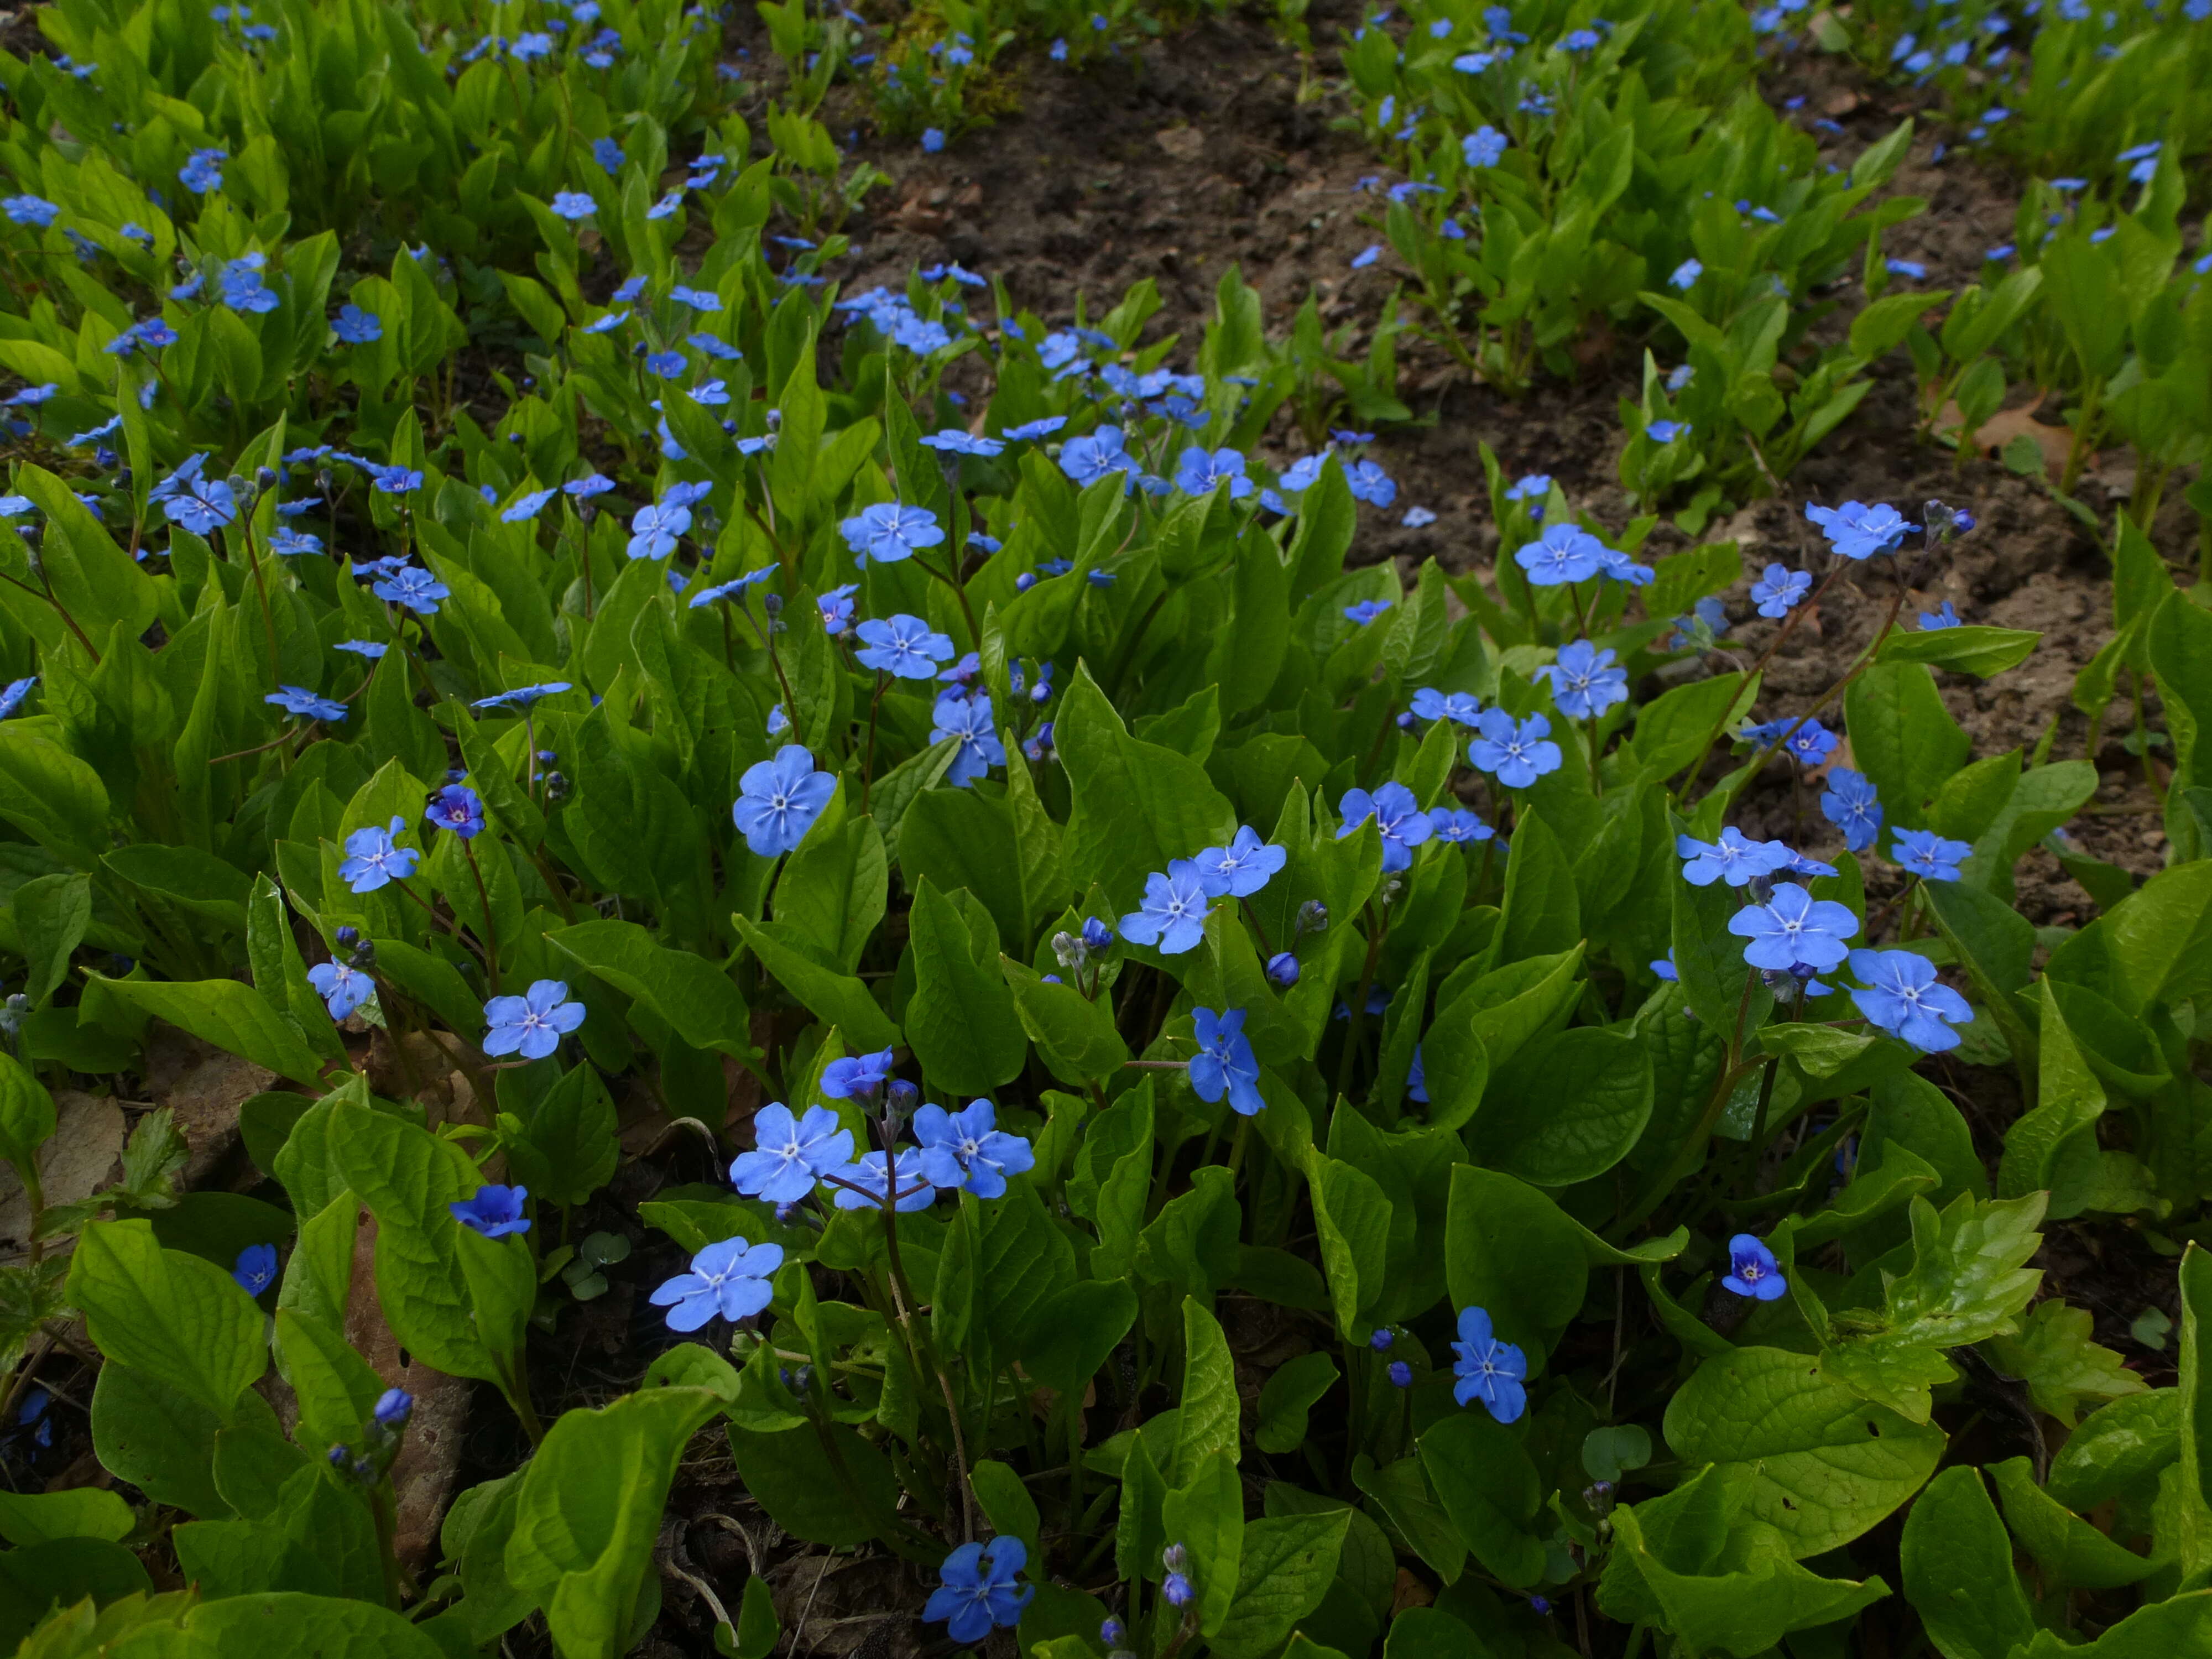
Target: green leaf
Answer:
pixel 2117 1447
pixel 1075 1037
pixel 1567 1108
pixel 590 1509
pixel 1490 1489
pixel 1965 1284
pixel 1006 1502
pixel 2161 1631
pixel 2054 1147
pixel 834 998
pixel 290 1625
pixel 1289 1562
pixel 833 890
pixel 150 1432
pixel 1352 1217
pixel 336 1389
pixel 1671 730
pixel 1208 1407
pixel 956 838
pixel 1823 1465
pixel 2067 1549
pixel 230 1015
pixel 1903 738
pixel 1075 1332
pixel 697 1000
pixel 1206 1515
pixel 52 913
pixel 961 1023
pixel 27 1518
pixel 1957 1564
pixel 169 1313
pixel 1401 1490
pixel 792 1476
pixel 1135 805
pixel 570 1142
pixel 1542 915
pixel 1288 1394
pixel 26 1114
pixel 1984 652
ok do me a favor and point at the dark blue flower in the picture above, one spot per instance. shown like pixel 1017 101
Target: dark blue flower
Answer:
pixel 1365 612
pixel 414 588
pixel 1564 553
pixel 1753 1271
pixel 522 696
pixel 1097 455
pixel 1584 682
pixel 533 1024
pixel 977 1592
pixel 1945 616
pixel 494 1212
pixel 655 530
pixel 726 1280
pixel 355 327
pixel 861 1184
pixel 1810 744
pixel 1460 708
pixel 1488 1370
pixel 1224 1063
pixel 256 1270
pixel 856 1077
pixel 779 799
pixel 572 205
pixel 459 808
pixel 201 505
pixel 1483 148
pixel 1200 473
pixel 202 171
pixel 394 1407
pixel 1735 857
pixel 1282 971
pixel 1459 826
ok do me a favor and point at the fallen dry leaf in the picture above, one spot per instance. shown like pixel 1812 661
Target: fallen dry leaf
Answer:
pixel 1184 143
pixel 2001 428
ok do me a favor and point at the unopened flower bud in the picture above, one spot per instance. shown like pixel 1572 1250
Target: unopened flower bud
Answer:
pixel 265 479
pixel 394 1406
pixel 1283 970
pixel 1097 935
pixel 1381 1340
pixel 1069 949
pixel 1313 917
pixel 1402 1374
pixel 556 787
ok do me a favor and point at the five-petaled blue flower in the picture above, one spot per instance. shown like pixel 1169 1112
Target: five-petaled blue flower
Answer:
pixel 727 1281
pixel 1810 743
pixel 256 1269
pixel 904 647
pixel 342 988
pixel 790 1154
pixel 1459 826
pixel 1795 930
pixel 1564 553
pixel 1944 616
pixel 202 171
pixel 966 1150
pixel 12 693
pixel 1776 593
pixel 1515 752
pixel 890 531
pixel 573 204
pixel 533 1024
pixel 856 1077
pixel 1928 855
pixel 526 507
pixel 297 700
pixel 355 327
pixel 1397 815
pixel 957 714
pixel 1173 915
pixel 1365 612
pixel 1241 868
pixel 1224 1064
pixel 1367 482
pixel 1753 1271
pixel 1902 998
pixel 864 1183
pixel 978 1592
pixel 1096 455
pixel 494 1212
pixel 459 808
pixel 1198 473
pixel 1850 804
pixel 412 587
pixel 1488 1370
pixel 522 696
pixel 952 441
pixel 655 528
pixel 1735 857
pixel 779 799
pixel 1584 682
pixel 1460 708
pixel 1686 275
pixel 372 860
pixel 1483 148
pixel 201 505
pixel 1857 531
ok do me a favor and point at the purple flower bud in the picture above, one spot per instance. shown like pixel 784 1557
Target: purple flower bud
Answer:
pixel 1538 1604
pixel 1402 1374
pixel 1178 1591
pixel 394 1406
pixel 1381 1340
pixel 1283 970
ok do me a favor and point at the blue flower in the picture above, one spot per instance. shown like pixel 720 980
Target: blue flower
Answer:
pixel 1850 804
pixel 533 1024
pixel 1665 432
pixel 1460 708
pixel 1516 753
pixel 1686 275
pixel 890 532
pixel 288 543
pixel 1735 857
pixel 1584 682
pixel 870 1174
pixel 201 505
pixel 857 1076
pixel 202 171
pixel 904 646
pixel 1902 999
pixel 1488 1370
pixel 1240 869
pixel 342 988
pixel 655 530
pixel 1403 826
pixel 28 209
pixel 394 1407
pixel 457 807
pixel 1365 612
pixel 573 204
pixel 1946 616
pixel 1857 531
pixel 967 1150
pixel 1777 593
pixel 1031 430
pixel 297 700
pixel 607 154
pixel 522 696
pixel 494 1212
pixel 932 139
pixel 355 327
pixel 1811 743
pixel 372 860
pixel 1931 857
pixel 1664 968
pixel 1367 255
pixel 256 1269
pixel 395 480
pixel 728 1281
pixel 969 719
pixel 1564 553
pixel 789 1155
pixel 1198 473
pixel 1483 148
pixel 951 440
pixel 1173 915
pixel 414 587
pixel 977 1592
pixel 1369 483
pixel 526 507
pixel 1795 930
pixel 1224 1064
pixel 836 608
pixel 1753 1271
pixel 1282 971
pixel 779 799
pixel 1459 826
pixel 1095 456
